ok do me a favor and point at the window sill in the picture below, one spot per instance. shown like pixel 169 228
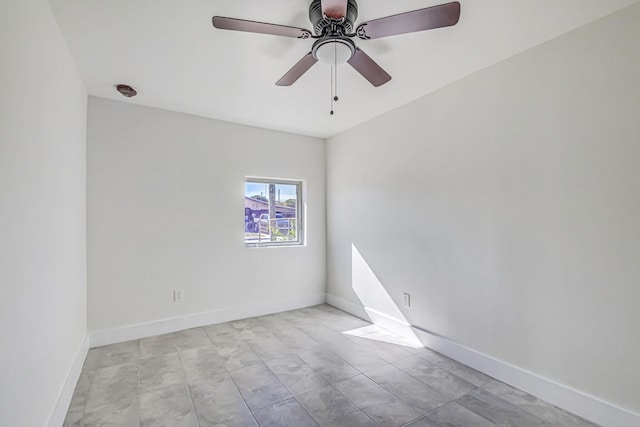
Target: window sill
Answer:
pixel 276 245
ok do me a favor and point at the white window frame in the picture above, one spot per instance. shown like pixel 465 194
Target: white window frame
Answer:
pixel 300 226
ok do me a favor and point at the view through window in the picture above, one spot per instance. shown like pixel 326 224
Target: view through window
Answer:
pixel 271 212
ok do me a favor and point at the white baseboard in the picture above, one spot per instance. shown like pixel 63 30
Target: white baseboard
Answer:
pixel 164 326
pixel 580 403
pixel 348 306
pixel 66 393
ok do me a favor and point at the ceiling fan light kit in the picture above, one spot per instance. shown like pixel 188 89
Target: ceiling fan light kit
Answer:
pixel 333 24
pixel 333 51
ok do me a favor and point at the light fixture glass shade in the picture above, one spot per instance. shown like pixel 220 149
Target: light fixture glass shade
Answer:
pixel 333 52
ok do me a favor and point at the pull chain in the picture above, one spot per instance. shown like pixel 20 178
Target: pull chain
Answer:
pixel 334 77
pixel 335 63
pixel 331 112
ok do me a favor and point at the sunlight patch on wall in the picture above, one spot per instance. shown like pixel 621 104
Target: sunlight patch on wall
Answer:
pixel 377 302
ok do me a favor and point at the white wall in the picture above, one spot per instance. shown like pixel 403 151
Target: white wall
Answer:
pixel 42 214
pixel 508 205
pixel 166 211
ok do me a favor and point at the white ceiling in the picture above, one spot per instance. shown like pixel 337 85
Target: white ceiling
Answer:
pixel 170 52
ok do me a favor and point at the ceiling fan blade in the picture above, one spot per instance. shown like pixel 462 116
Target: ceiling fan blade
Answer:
pixel 334 8
pixel 234 24
pixel 444 15
pixel 369 69
pixel 297 70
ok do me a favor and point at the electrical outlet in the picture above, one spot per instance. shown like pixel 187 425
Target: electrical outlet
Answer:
pixel 178 295
pixel 406 300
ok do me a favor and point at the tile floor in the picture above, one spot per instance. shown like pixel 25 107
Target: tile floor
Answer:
pixel 316 366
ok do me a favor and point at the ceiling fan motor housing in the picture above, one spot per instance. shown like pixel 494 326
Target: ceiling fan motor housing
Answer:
pixel 319 23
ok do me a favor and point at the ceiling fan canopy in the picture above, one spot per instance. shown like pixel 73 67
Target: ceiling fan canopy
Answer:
pixel 334 27
pixel 336 9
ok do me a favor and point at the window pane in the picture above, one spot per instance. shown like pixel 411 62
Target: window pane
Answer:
pixel 271 213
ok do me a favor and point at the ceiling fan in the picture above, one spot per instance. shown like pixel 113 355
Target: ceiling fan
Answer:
pixel 333 28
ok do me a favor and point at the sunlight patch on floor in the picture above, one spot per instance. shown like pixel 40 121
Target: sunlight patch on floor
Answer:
pixel 377 333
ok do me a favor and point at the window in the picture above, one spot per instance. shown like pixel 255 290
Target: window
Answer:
pixel 272 212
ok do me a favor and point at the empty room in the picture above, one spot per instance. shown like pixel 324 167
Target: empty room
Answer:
pixel 320 213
